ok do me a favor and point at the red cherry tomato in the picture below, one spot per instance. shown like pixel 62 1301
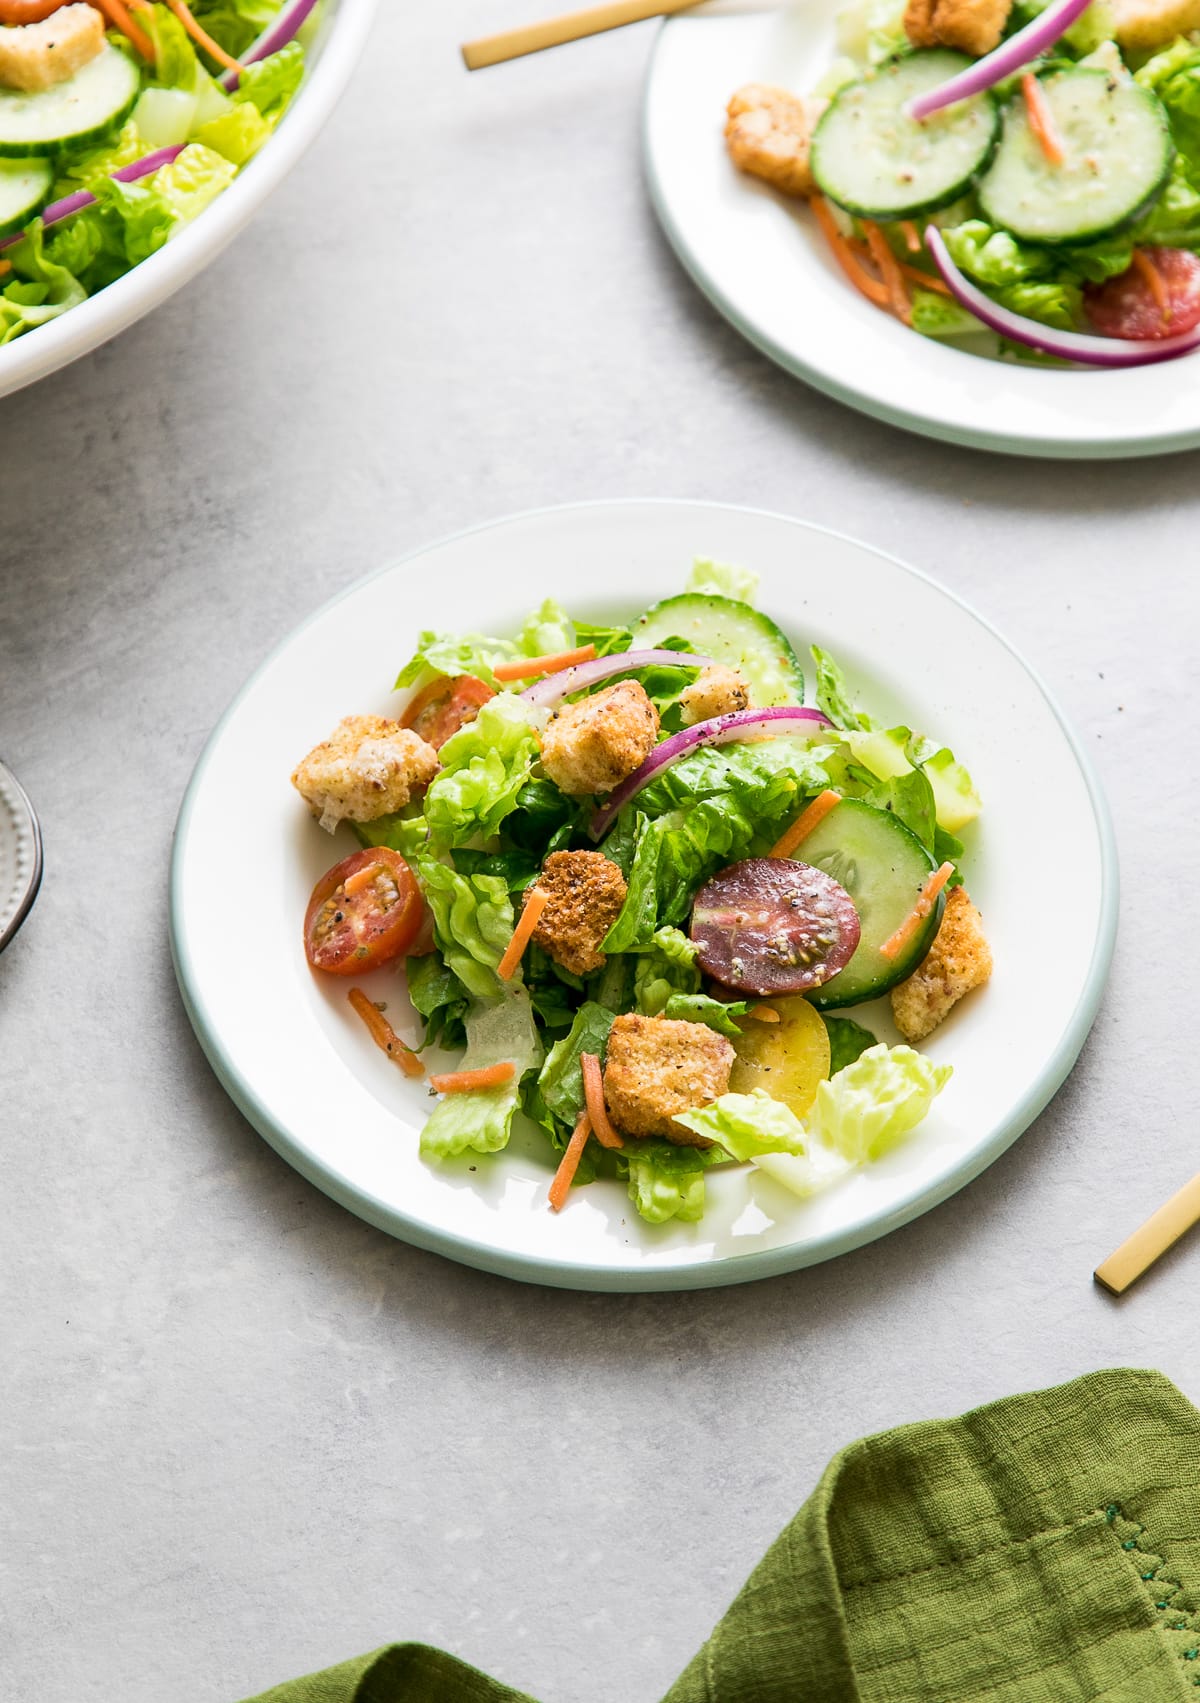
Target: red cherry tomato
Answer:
pixel 445 705
pixel 364 912
pixel 771 925
pixel 1132 305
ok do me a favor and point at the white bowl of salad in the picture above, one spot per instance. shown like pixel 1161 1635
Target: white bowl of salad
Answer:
pixel 629 942
pixel 137 137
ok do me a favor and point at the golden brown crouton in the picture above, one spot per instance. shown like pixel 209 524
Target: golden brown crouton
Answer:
pixel 718 691
pixel 37 56
pixel 367 767
pixel 657 1067
pixel 586 891
pixel 974 26
pixel 592 745
pixel 959 959
pixel 768 133
pixel 1143 25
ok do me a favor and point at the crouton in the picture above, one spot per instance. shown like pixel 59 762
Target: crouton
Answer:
pixel 592 745
pixel 973 26
pixel 657 1067
pixel 768 134
pixel 37 56
pixel 718 691
pixel 1141 26
pixel 368 767
pixel 959 959
pixel 586 891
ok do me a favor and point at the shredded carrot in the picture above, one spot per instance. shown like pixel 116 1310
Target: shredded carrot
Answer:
pixel 593 1089
pixel 808 819
pixel 1143 264
pixel 117 15
pixel 569 1163
pixel 925 280
pixel 895 943
pixel 535 904
pixel 889 269
pixel 383 1035
pixel 465 1081
pixel 202 38
pixel 845 256
pixel 912 236
pixel 1041 119
pixel 763 1014
pixel 5 266
pixel 525 667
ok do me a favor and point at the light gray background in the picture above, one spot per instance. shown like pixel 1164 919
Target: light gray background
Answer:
pixel 243 1435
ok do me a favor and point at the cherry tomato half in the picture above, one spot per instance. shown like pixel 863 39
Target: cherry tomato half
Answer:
pixel 772 925
pixel 364 912
pixel 1130 305
pixel 445 705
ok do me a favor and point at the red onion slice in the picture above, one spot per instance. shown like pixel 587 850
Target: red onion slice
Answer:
pixel 60 210
pixel 1067 345
pixel 553 688
pixel 276 35
pixel 721 730
pixel 1035 39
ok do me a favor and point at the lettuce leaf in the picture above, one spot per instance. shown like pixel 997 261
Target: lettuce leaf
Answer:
pixel 699 1008
pixel 720 579
pixel 935 315
pixel 545 631
pixel 833 697
pixel 440 998
pixel 472 922
pixel 270 83
pixel 560 1082
pixel 667 967
pixel 498 1031
pixel 870 1105
pixel 484 767
pixel 848 1040
pixel 40 290
pixel 746 1125
pixel 666 1181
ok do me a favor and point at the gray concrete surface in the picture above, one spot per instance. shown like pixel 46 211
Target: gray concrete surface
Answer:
pixel 242 1435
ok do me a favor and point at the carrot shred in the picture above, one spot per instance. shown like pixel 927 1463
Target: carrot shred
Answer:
pixel 5 267
pixel 384 1036
pixel 1041 119
pixel 763 1014
pixel 895 943
pixel 525 667
pixel 912 236
pixel 118 16
pixel 1143 264
pixel 466 1081
pixel 569 1163
pixel 202 38
pixel 593 1090
pixel 845 256
pixel 528 920
pixel 889 269
pixel 808 819
pixel 924 280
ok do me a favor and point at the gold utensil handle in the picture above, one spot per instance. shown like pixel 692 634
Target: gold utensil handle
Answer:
pixel 571 26
pixel 1151 1241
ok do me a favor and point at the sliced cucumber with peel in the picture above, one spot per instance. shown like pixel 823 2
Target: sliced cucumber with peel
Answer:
pixel 730 632
pixel 84 108
pixel 874 160
pixel 1118 151
pixel 25 187
pixel 883 866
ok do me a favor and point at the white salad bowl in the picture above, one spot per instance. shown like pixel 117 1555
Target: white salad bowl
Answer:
pixel 331 57
pixel 762 262
pixel 300 1065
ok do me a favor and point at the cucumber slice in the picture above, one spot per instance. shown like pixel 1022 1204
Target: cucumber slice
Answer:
pixel 883 866
pixel 876 162
pixel 84 108
pixel 25 187
pixel 731 632
pixel 1117 142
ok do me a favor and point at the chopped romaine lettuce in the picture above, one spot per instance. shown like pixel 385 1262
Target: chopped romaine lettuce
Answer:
pixel 472 920
pixel 499 1031
pixel 485 765
pixel 665 1182
pixel 441 999
pixel 699 1008
pixel 873 1103
pixel 848 1040
pixel 833 698
pixel 666 967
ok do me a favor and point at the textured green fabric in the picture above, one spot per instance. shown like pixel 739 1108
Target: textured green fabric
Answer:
pixel 1045 1549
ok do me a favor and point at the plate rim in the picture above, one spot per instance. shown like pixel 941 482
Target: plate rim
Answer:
pixel 741 1268
pixel 997 443
pixel 12 928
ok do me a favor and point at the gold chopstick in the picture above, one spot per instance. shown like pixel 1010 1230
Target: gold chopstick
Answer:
pixel 571 26
pixel 1160 1232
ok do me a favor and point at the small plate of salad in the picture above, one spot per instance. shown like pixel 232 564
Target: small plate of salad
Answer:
pixel 666 925
pixel 136 138
pixel 976 218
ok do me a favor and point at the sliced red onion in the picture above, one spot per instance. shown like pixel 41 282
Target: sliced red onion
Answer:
pixel 553 688
pixel 721 730
pixel 1066 345
pixel 60 210
pixel 276 35
pixel 1035 39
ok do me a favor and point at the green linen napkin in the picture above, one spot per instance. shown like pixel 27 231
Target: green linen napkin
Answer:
pixel 1045 1549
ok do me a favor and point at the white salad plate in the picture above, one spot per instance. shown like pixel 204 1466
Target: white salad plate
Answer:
pixel 762 262
pixel 20 855
pixel 330 58
pixel 299 1064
